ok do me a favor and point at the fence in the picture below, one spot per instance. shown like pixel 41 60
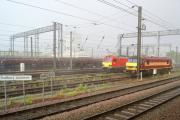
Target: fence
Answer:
pixel 15 94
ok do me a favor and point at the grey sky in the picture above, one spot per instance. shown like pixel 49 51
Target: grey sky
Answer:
pixel 30 18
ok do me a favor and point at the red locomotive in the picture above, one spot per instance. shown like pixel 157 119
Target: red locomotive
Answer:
pixel 114 63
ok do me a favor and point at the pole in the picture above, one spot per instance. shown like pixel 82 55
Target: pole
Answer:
pixel 13 45
pixel 74 52
pixel 27 54
pixel 24 93
pixel 35 47
pixel 71 50
pixel 43 90
pixel 31 47
pixel 92 52
pixel 170 47
pixel 147 50
pixel 51 85
pixel 176 55
pixel 38 52
pixel 5 96
pixel 139 41
pixel 24 45
pixel 61 40
pixel 58 43
pixel 54 47
pixel 127 51
pixel 134 51
pixel 158 48
pixel 10 46
pixel 120 45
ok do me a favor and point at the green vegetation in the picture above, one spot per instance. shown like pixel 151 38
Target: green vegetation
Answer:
pixel 28 100
pixel 73 92
pixel 11 102
pixel 80 89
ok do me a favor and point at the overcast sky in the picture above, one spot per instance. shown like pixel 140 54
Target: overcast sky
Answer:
pixel 91 18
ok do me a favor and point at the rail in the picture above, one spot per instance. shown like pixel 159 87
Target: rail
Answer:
pixel 45 109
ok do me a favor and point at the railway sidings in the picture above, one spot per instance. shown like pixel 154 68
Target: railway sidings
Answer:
pixel 59 106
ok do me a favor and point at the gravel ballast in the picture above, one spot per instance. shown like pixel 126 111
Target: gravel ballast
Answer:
pixel 168 111
pixel 89 110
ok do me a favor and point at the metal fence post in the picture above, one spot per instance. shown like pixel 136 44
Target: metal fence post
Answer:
pixel 24 93
pixel 51 85
pixel 5 96
pixel 43 91
pixel 43 77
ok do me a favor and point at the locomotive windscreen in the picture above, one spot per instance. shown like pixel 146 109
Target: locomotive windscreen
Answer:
pixel 108 59
pixel 132 60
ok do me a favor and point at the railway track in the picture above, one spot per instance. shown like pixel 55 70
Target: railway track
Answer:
pixel 36 74
pixel 49 108
pixel 57 86
pixel 137 108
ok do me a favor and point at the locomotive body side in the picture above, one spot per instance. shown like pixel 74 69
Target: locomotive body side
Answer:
pixel 119 62
pixel 148 64
pixel 156 63
pixel 114 63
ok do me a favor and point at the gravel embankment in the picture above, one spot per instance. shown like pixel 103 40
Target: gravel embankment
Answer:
pixel 80 113
pixel 168 111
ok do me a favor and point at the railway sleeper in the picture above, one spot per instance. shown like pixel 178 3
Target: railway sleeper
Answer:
pixel 135 109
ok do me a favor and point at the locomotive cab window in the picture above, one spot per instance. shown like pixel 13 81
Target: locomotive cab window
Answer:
pixel 132 60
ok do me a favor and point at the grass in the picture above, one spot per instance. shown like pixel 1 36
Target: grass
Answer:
pixel 80 89
pixel 64 93
pixel 28 100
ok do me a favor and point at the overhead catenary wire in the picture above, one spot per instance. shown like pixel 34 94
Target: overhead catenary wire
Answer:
pixel 3 30
pixel 66 14
pixel 151 14
pixel 129 7
pixel 122 9
pixel 15 25
pixel 164 21
pixel 100 42
pixel 89 11
pixel 153 22
pixel 117 7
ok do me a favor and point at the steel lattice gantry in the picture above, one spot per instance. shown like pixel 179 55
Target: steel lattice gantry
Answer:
pixel 152 33
pixel 35 32
pixel 149 34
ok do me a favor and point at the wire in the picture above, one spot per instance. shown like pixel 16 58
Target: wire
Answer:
pixel 147 11
pixel 112 5
pixel 124 5
pixel 12 25
pixel 158 17
pixel 63 13
pixel 117 7
pixel 131 2
pixel 7 30
pixel 156 23
pixel 100 42
pixel 50 10
pixel 91 12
